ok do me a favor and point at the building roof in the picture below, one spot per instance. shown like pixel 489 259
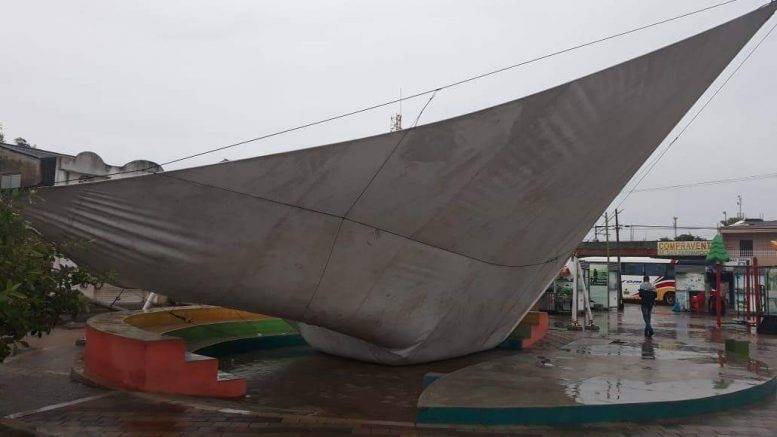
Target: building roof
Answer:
pixel 751 225
pixel 627 259
pixel 31 151
pixel 625 248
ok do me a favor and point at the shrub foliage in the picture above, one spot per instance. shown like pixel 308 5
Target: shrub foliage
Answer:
pixel 33 292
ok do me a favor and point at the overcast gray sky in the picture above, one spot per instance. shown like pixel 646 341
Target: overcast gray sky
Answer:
pixel 161 79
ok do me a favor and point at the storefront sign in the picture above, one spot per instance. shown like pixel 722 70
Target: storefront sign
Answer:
pixel 683 248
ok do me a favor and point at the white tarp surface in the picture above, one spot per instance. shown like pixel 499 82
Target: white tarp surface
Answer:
pixel 406 247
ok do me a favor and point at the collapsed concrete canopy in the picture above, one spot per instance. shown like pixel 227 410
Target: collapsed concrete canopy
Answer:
pixel 406 247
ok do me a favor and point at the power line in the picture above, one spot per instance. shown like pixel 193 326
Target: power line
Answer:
pixel 423 93
pixel 682 131
pixel 656 227
pixel 670 227
pixel 710 182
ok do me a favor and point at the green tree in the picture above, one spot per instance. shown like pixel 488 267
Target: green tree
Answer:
pixel 730 221
pixel 2 137
pixel 21 142
pixel 33 294
pixel 688 237
pixel 717 253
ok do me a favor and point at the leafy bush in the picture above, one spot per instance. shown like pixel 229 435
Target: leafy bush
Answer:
pixel 33 293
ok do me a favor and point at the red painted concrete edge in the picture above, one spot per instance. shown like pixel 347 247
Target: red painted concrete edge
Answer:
pixel 538 330
pixel 158 366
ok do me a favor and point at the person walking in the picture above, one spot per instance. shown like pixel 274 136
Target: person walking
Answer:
pixel 647 298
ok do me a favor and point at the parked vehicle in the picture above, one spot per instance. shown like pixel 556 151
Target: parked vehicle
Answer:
pixel 660 271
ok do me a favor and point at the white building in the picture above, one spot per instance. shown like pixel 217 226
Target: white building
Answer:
pixel 25 166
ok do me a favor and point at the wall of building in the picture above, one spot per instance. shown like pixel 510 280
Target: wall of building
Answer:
pixel 90 166
pixel 762 247
pixel 27 166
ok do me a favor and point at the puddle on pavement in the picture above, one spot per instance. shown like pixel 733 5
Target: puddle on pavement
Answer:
pixel 653 349
pixel 606 390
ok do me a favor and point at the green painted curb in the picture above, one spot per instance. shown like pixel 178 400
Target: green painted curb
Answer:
pixel 251 344
pixel 231 329
pixel 579 414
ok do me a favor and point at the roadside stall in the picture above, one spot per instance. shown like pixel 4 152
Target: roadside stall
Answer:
pixel 690 280
pixel 597 277
pixel 558 296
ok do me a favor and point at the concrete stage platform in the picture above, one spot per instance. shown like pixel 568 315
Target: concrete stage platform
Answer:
pixel 620 378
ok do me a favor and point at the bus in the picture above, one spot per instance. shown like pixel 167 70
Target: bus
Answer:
pixel 633 268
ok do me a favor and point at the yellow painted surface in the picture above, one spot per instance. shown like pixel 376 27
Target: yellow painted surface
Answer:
pixel 169 319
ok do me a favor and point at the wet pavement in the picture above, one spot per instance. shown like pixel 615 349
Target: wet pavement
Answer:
pixel 39 376
pixel 301 380
pixel 597 371
pixel 305 392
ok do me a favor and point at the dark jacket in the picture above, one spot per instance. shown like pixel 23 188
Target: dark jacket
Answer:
pixel 647 293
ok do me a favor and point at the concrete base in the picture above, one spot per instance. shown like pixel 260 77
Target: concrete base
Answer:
pixel 114 358
pixel 152 350
pixel 596 380
pixel 532 328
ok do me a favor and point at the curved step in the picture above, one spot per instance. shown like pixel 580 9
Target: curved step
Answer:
pixel 530 330
pixel 119 355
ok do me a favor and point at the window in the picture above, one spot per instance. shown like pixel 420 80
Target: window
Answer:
pixel 655 269
pixel 635 269
pixel 641 269
pixel 745 247
pixel 10 181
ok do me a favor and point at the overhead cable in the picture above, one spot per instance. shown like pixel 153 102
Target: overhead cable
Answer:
pixel 710 182
pixel 695 116
pixel 422 93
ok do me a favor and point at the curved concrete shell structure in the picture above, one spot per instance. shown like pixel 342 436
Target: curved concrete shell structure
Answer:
pixel 407 247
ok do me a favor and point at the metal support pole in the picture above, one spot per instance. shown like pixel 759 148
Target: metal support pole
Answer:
pixel 607 236
pixel 736 299
pixel 589 316
pixel 150 297
pixel 618 252
pixel 575 286
pixel 607 252
pixel 718 293
pixel 757 286
pixel 747 292
pixel 575 326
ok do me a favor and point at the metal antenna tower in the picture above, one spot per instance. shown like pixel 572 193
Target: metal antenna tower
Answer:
pixel 739 205
pixel 396 120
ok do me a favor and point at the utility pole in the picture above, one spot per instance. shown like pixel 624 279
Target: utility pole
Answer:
pixel 618 252
pixel 607 248
pixel 607 234
pixel 675 227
